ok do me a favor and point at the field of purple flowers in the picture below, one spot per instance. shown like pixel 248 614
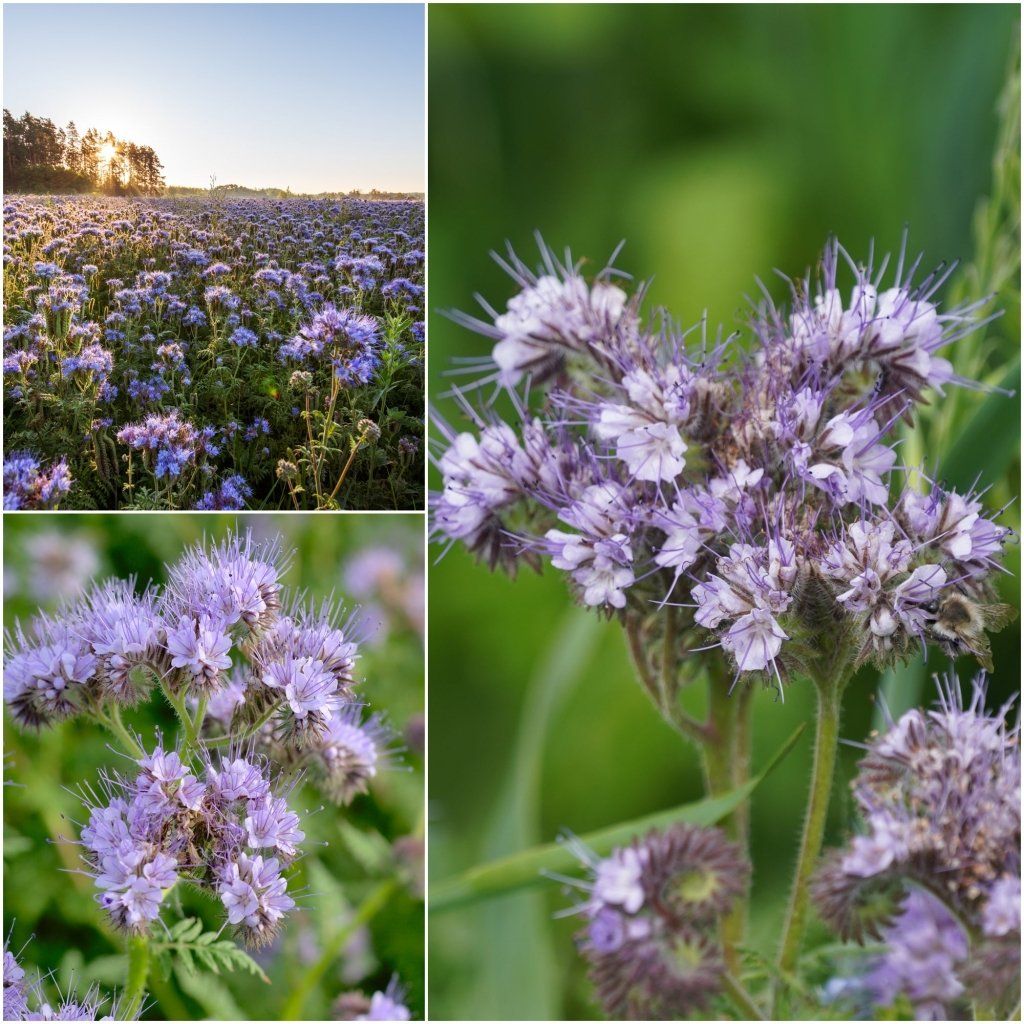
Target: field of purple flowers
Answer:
pixel 173 354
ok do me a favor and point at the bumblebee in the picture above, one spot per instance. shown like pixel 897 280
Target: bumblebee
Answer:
pixel 961 625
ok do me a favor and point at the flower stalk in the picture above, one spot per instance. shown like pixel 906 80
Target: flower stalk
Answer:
pixel 138 974
pixel 829 692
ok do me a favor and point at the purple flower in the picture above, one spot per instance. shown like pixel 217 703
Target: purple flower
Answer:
pixel 749 483
pixel 237 581
pixel 255 897
pixel 925 946
pixel 352 750
pixel 201 650
pixel 939 794
pixel 28 486
pixel 172 821
pixel 269 823
pixel 651 910
pixel 46 671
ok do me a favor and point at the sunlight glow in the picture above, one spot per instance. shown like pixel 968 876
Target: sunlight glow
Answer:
pixel 107 152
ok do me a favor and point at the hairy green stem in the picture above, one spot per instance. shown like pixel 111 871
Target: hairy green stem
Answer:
pixel 172 1005
pixel 138 973
pixel 348 466
pixel 178 703
pixel 826 744
pixel 335 946
pixel 200 716
pixel 115 724
pixel 687 726
pixel 719 761
pixel 742 754
pixel 741 998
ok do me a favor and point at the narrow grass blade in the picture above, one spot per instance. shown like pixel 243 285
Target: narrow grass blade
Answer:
pixel 524 869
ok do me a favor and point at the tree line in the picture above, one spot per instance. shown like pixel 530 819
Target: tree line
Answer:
pixel 39 156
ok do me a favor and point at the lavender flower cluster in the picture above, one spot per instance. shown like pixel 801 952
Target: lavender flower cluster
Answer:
pixel 342 758
pixel 222 633
pixel 936 872
pixel 754 484
pixel 174 327
pixel 386 1005
pixel 25 1000
pixel 225 830
pixel 651 911
pixel 28 486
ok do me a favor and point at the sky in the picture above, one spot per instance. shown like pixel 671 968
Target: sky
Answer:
pixel 312 97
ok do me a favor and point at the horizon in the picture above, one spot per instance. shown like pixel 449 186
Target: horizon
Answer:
pixel 286 73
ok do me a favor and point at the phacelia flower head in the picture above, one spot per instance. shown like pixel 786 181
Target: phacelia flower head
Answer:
pixel 306 662
pixel 387 1005
pixel 29 1001
pixel 218 823
pixel 27 485
pixel 939 796
pixel 354 748
pixel 755 484
pixel 651 910
pixel 555 314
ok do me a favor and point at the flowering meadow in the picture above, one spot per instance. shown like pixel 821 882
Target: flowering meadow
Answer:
pixel 212 353
pixel 213 768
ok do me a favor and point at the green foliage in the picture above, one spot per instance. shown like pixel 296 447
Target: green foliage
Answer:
pixel 529 867
pixel 196 950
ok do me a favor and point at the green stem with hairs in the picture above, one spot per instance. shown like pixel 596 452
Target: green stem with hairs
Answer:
pixel 654 683
pixel 200 716
pixel 741 998
pixel 178 703
pixel 719 762
pixel 742 754
pixel 829 689
pixel 138 973
pixel 115 724
pixel 335 946
pixel 252 730
pixel 348 466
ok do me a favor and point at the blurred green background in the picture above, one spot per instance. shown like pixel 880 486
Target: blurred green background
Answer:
pixel 721 142
pixel 346 852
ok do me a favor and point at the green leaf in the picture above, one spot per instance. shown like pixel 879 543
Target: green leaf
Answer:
pixel 988 443
pixel 211 994
pixel 186 943
pixel 515 973
pixel 368 847
pixel 525 869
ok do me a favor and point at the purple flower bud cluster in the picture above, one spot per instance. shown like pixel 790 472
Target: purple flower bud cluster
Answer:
pixel 92 364
pixel 386 1005
pixel 220 611
pixel 230 495
pixel 222 827
pixel 939 796
pixel 341 752
pixel 28 486
pixel 753 483
pixel 170 442
pixel 28 1001
pixel 925 947
pixel 651 911
pixel 346 338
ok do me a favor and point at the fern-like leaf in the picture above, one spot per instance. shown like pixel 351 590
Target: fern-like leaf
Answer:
pixel 194 949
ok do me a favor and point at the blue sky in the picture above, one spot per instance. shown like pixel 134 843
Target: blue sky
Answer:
pixel 315 97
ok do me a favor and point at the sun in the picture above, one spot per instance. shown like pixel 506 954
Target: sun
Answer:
pixel 107 152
